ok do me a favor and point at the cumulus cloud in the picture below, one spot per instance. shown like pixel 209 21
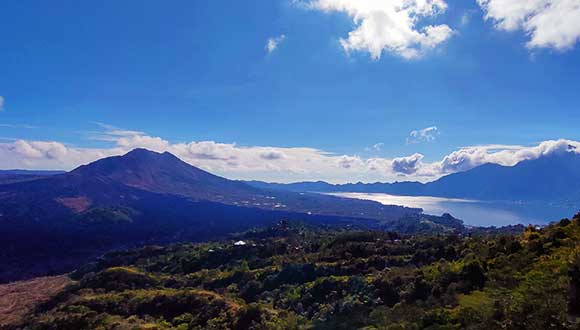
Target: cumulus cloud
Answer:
pixel 273 43
pixel 392 26
pixel 348 162
pixel 48 155
pixel 548 23
pixel 272 155
pixel 427 134
pixel 407 165
pixel 1 102
pixel 275 163
pixel 507 155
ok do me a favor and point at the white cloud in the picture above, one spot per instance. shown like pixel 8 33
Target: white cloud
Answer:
pixel 272 154
pixel 407 165
pixel 349 162
pixel 375 147
pixel 273 43
pixel 275 163
pixel 548 23
pixel 427 134
pixel 507 155
pixel 392 26
pixel 1 102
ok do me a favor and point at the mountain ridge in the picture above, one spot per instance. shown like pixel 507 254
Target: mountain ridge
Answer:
pixel 549 178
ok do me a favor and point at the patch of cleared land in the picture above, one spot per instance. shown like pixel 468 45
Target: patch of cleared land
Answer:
pixel 19 298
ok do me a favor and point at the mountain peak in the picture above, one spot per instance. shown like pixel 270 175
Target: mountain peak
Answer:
pixel 161 173
pixel 142 152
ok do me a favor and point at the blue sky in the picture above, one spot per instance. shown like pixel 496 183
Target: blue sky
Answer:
pixel 199 71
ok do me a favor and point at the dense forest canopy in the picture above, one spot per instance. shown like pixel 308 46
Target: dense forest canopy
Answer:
pixel 292 276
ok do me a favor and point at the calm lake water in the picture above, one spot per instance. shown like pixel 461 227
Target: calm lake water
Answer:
pixel 478 213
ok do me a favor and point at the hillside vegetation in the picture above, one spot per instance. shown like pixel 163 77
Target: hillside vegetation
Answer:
pixel 295 277
pixel 51 224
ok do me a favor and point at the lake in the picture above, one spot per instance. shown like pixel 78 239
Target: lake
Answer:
pixel 478 213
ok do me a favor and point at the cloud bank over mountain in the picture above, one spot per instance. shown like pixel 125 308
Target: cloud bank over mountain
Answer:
pixel 274 163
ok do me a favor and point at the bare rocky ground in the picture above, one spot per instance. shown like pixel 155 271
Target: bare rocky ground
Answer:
pixel 20 298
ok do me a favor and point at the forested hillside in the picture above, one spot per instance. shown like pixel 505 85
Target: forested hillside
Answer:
pixel 295 277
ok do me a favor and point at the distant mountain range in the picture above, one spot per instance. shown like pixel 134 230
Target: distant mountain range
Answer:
pixel 30 172
pixel 51 222
pixel 549 178
pixel 12 176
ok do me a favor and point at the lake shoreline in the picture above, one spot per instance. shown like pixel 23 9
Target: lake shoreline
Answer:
pixel 479 213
